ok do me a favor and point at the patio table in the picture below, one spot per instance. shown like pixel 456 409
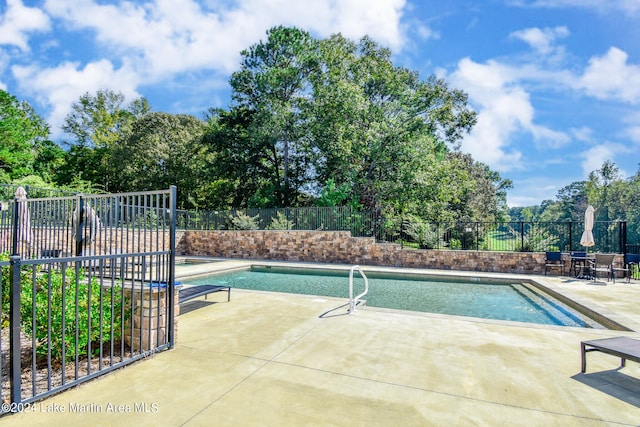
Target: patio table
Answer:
pixel 580 266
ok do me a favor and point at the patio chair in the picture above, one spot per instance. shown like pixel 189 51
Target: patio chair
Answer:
pixel 554 260
pixel 603 263
pixel 630 266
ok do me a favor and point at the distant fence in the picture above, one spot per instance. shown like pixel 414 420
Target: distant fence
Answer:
pixel 520 236
pixel 610 236
pixel 359 223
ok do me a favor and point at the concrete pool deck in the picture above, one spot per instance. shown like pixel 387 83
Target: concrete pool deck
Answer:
pixel 268 359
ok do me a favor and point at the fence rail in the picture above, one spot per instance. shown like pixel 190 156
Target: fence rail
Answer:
pixel 359 223
pixel 85 224
pixel 609 236
pixel 87 288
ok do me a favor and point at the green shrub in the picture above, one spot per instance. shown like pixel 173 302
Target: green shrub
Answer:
pixel 89 311
pixel 280 222
pixel 391 227
pixel 242 221
pixel 455 243
pixel 424 234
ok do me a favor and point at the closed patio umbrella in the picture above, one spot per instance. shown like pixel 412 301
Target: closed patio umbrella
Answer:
pixel 23 226
pixel 587 239
pixel 24 217
pixel 587 236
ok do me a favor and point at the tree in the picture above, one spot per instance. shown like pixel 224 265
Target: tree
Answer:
pixel 49 158
pixel 239 164
pixel 97 122
pixel 571 202
pixel 631 199
pixel 601 188
pixel 382 130
pixel 273 85
pixel 483 192
pixel 162 150
pixel 313 115
pixel 21 129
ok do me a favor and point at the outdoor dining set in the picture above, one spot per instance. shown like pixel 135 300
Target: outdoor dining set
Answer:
pixel 583 265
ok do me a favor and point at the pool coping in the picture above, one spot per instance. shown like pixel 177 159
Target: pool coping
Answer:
pixel 609 319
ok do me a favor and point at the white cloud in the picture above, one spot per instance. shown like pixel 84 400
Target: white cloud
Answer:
pixel 504 110
pixel 64 84
pixel 542 40
pixel 610 77
pixel 18 21
pixel 532 190
pixel 583 133
pixel 426 33
pixel 548 138
pixel 4 63
pixel 595 156
pixel 157 40
pixel 167 37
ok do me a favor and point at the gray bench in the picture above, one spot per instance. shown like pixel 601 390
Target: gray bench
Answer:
pixel 623 347
pixel 191 292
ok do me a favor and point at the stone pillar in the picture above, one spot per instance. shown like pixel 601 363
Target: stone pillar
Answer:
pixel 149 316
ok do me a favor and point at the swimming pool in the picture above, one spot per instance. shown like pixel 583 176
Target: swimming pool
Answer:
pixel 470 297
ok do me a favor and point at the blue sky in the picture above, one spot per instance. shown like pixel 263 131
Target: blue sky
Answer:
pixel 556 83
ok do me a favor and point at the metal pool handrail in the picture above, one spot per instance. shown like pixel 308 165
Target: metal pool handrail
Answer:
pixel 354 301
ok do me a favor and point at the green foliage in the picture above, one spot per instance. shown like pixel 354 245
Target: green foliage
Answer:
pixel 333 195
pixel 84 304
pixel 100 120
pixel 50 157
pixel 97 123
pixel 540 241
pixel 455 244
pixel 280 222
pixel 423 233
pixel 337 118
pixel 242 221
pixel 309 116
pixel 391 227
pixel 21 130
pixel 273 84
pixel 383 131
pixel 159 151
pixel 90 311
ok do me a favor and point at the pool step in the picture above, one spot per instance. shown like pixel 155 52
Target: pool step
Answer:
pixel 553 312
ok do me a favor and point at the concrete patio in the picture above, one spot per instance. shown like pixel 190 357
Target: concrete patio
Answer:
pixel 268 359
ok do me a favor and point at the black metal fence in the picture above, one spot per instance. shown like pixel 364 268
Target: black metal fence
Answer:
pixel 520 236
pixel 498 236
pixel 87 287
pixel 359 223
pixel 84 224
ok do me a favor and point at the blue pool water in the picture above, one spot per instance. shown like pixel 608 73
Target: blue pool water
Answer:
pixel 462 297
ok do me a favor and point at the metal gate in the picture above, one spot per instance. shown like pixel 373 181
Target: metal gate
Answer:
pixel 87 287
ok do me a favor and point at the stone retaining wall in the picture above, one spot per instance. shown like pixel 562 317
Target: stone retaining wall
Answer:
pixel 340 247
